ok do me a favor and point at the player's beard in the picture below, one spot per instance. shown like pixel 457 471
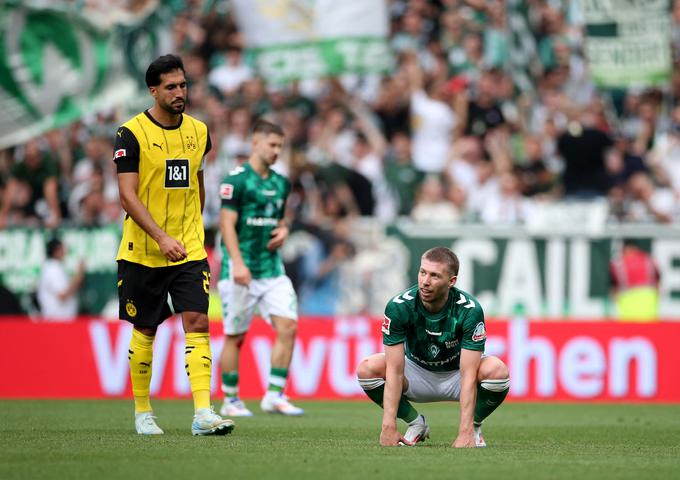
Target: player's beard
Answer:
pixel 267 159
pixel 175 109
pixel 434 296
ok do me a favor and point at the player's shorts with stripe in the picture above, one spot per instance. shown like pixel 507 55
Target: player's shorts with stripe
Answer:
pixel 143 291
pixel 270 296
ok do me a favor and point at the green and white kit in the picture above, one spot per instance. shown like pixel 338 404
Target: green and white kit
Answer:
pixel 433 341
pixel 260 204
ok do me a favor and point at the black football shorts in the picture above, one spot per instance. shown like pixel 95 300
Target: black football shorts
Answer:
pixel 143 291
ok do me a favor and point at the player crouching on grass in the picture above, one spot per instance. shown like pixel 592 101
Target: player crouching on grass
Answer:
pixel 434 339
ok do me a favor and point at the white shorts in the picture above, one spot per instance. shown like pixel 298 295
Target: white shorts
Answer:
pixel 271 296
pixel 427 386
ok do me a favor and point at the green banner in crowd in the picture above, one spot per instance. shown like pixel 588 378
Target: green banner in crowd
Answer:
pixel 22 254
pixel 314 38
pixel 57 65
pixel 512 271
pixel 628 43
pixel 562 273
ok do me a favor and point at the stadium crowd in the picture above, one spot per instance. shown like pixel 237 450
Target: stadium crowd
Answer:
pixel 449 136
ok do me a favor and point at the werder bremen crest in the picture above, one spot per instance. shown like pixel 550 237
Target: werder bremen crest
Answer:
pixel 57 65
pixel 434 350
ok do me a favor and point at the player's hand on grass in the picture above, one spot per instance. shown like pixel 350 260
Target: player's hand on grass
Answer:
pixel 279 235
pixel 172 249
pixel 390 437
pixel 464 440
pixel 241 274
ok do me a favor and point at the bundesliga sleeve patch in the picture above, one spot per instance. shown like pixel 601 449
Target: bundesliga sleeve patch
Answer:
pixel 480 333
pixel 226 191
pixel 386 325
pixel 119 153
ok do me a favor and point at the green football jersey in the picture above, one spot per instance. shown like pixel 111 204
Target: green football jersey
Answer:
pixel 434 340
pixel 260 204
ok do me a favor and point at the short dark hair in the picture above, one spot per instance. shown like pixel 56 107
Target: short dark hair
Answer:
pixel 264 126
pixel 52 246
pixel 443 255
pixel 163 64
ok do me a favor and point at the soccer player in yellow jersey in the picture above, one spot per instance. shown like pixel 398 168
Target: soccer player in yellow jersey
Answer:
pixel 159 158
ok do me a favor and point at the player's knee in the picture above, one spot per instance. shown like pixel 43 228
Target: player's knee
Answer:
pixel 504 371
pixel 286 328
pixel 292 329
pixel 369 367
pixel 493 368
pixel 363 369
pixel 195 322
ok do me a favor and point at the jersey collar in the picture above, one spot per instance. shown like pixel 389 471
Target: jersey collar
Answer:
pixel 436 325
pixel 434 317
pixel 153 120
pixel 254 172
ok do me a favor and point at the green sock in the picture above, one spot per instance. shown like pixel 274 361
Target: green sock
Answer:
pixel 375 389
pixel 375 393
pixel 277 379
pixel 230 384
pixel 490 394
pixel 406 411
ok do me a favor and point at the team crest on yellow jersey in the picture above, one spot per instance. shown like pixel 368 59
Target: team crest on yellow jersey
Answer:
pixel 191 143
pixel 131 309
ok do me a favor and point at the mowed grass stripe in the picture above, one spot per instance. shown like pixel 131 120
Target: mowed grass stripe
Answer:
pixel 337 440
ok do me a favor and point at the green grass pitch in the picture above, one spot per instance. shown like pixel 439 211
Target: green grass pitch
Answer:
pixel 334 440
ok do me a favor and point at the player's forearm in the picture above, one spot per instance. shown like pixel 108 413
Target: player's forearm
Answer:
pixel 201 190
pixel 230 239
pixel 393 384
pixel 141 216
pixel 469 368
pixel 468 396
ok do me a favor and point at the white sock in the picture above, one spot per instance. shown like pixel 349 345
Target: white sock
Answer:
pixel 419 419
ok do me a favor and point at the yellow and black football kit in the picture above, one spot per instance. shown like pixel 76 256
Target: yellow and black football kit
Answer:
pixel 167 160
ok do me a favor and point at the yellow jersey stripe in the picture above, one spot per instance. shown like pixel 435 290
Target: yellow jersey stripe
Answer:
pixel 181 139
pixel 146 235
pixel 148 145
pixel 196 133
pixel 184 216
pixel 165 142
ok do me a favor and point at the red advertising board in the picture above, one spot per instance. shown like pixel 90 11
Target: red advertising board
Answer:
pixel 563 361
